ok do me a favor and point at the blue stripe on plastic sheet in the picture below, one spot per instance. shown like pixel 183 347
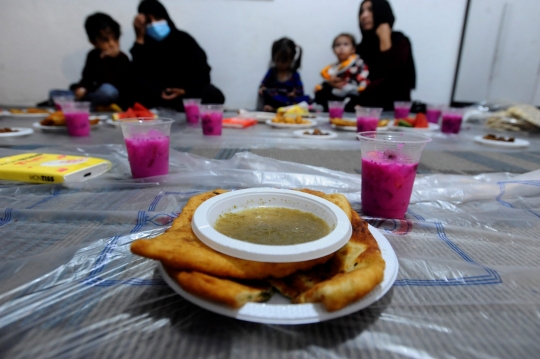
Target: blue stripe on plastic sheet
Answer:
pixel 56 192
pixel 402 227
pixel 502 187
pixel 7 216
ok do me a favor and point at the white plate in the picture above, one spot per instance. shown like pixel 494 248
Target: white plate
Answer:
pixel 278 309
pixel 518 143
pixel 59 128
pixel 21 131
pixel 112 122
pixel 207 213
pixel 29 115
pixel 310 123
pixel 258 115
pixel 329 135
pixel 431 127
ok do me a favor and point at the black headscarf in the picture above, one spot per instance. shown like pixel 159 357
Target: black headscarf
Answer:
pixel 155 8
pixel 369 48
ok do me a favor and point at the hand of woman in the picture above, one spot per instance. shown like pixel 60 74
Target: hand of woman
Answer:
pixel 139 24
pixel 172 93
pixel 384 32
pixel 336 82
pixel 261 90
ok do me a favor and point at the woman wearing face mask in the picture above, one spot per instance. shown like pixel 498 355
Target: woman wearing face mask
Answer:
pixel 388 55
pixel 168 63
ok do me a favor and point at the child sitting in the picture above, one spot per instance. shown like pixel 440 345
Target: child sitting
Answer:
pixel 345 78
pixel 106 74
pixel 282 85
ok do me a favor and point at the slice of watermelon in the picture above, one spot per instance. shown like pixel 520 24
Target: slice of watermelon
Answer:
pixel 138 107
pixel 421 121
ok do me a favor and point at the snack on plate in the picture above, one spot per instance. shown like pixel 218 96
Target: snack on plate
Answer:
pixel 383 123
pixel 54 119
pixel 289 119
pixel 342 122
pixel 108 108
pixel 493 137
pixel 316 132
pixel 32 110
pixel 420 121
pixel 293 110
pixel 515 118
pixel 335 280
pixel 7 130
pixel 58 119
pixel 137 111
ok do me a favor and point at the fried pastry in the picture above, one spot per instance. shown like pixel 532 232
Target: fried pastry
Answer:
pixel 353 272
pixel 232 293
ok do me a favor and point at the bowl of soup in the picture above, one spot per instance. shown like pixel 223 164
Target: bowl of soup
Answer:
pixel 271 225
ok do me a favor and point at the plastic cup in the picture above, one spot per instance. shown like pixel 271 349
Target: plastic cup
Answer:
pixel 389 163
pixel 59 100
pixel 212 119
pixel 77 118
pixel 367 118
pixel 433 113
pixel 451 120
pixel 147 144
pixel 336 109
pixel 402 109
pixel 191 108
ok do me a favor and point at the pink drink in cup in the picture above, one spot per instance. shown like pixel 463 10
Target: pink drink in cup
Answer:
pixel 389 163
pixel 433 113
pixel 147 144
pixel 401 109
pixel 336 109
pixel 451 120
pixel 77 118
pixel 191 108
pixel 212 119
pixel 367 118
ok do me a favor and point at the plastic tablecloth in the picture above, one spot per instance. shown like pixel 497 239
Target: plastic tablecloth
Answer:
pixel 468 284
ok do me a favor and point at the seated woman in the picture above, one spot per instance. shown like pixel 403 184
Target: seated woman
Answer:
pixel 168 64
pixel 388 55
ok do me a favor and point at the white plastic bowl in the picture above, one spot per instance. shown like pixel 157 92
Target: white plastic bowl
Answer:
pixel 208 212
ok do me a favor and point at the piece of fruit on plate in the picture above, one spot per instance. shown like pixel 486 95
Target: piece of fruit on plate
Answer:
pixel 137 111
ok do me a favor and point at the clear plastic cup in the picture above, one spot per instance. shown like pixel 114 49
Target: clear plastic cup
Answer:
pixel 59 100
pixel 147 143
pixel 433 113
pixel 402 109
pixel 191 108
pixel 451 120
pixel 77 116
pixel 367 118
pixel 389 163
pixel 336 109
pixel 212 119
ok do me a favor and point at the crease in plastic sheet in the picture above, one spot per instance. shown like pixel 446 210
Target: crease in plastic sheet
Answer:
pixel 468 285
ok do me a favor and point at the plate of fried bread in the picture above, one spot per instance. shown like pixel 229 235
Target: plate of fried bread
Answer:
pixel 15 131
pixel 349 124
pixel 310 291
pixel 28 112
pixel 56 122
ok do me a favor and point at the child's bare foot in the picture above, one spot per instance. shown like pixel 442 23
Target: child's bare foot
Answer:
pixel 268 108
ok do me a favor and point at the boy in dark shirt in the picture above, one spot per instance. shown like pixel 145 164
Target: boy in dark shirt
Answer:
pixel 106 74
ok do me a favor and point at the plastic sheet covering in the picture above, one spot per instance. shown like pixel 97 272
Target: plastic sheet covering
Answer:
pixel 468 285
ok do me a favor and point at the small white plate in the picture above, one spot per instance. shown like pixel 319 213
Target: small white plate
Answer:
pixel 329 135
pixel 518 143
pixel 310 123
pixel 279 310
pixel 112 122
pixel 59 128
pixel 431 127
pixel 208 212
pixel 21 131
pixel 257 115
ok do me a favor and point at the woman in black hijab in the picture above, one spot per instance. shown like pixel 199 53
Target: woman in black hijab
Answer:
pixel 169 64
pixel 388 55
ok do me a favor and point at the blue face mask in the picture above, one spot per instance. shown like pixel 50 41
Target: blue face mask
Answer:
pixel 158 30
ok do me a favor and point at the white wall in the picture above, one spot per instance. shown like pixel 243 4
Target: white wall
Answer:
pixel 43 44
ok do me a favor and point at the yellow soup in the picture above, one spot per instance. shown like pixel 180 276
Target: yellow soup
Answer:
pixel 272 226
